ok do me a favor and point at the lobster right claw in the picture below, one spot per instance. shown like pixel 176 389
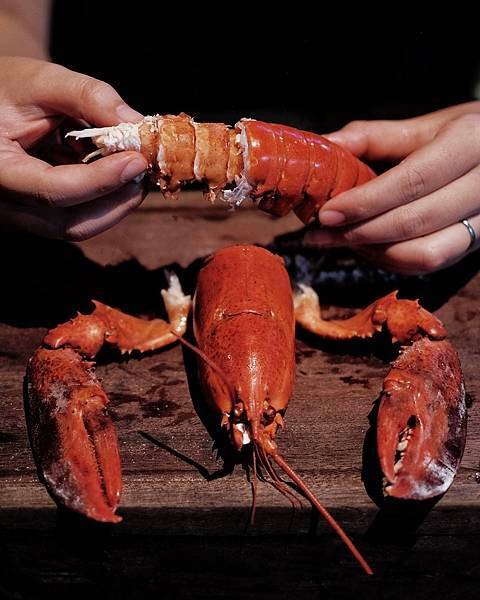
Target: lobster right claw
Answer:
pixel 72 436
pixel 422 421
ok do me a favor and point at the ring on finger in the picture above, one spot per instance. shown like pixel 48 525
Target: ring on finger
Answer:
pixel 471 233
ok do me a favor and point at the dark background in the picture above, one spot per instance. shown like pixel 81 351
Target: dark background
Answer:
pixel 293 66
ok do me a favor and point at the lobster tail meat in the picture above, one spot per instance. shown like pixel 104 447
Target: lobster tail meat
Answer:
pixel 178 150
pixel 72 437
pixel 212 143
pixel 173 150
pixel 422 421
pixel 282 167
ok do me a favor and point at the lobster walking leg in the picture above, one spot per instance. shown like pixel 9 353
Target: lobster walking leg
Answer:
pixel 404 319
pixel 421 425
pixel 72 436
pixel 88 333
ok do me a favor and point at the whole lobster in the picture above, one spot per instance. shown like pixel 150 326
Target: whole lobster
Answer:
pixel 244 326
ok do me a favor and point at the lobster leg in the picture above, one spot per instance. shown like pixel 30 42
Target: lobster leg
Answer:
pixel 404 319
pixel 73 439
pixel 88 333
pixel 421 425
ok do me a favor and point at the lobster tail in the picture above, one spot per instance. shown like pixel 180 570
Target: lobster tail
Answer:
pixel 282 167
pixel 290 169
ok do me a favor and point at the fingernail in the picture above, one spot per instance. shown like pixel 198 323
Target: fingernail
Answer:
pixel 133 169
pixel 331 217
pixel 127 114
pixel 350 139
pixel 336 138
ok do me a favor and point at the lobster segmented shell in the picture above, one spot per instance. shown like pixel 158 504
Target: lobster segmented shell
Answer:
pixel 282 167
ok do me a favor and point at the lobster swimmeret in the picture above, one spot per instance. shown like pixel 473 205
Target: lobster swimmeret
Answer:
pixel 244 324
pixel 283 167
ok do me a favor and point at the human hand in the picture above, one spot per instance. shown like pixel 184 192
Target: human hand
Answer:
pixel 408 218
pixel 74 201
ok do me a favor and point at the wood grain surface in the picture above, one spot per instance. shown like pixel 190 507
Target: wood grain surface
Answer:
pixel 184 530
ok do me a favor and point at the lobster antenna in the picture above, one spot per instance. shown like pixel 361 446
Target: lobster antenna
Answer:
pixel 277 482
pixel 287 469
pixel 210 363
pixel 254 486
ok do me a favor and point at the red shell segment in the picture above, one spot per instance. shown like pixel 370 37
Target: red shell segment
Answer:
pixel 291 169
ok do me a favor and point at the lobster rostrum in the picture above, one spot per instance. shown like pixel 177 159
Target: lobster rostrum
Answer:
pixel 282 167
pixel 244 317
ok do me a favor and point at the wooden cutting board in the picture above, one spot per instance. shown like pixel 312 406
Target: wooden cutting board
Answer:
pixel 184 518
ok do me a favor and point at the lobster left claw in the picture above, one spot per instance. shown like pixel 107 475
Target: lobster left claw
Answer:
pixel 71 433
pixel 72 436
pixel 422 421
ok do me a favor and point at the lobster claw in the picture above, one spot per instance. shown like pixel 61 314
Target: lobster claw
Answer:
pixel 422 419
pixel 72 437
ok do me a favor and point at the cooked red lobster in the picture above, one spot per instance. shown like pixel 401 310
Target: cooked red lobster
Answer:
pixel 282 167
pixel 244 325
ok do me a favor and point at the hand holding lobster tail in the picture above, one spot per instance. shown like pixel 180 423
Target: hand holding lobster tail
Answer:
pixel 421 423
pixel 72 436
pixel 282 167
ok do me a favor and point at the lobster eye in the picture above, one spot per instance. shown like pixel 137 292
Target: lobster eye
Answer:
pixel 238 410
pixel 268 415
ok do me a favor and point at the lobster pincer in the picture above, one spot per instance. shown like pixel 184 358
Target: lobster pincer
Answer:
pixel 71 433
pixel 421 426
pixel 421 423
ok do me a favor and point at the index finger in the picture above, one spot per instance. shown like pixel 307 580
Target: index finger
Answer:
pixel 395 139
pixel 79 96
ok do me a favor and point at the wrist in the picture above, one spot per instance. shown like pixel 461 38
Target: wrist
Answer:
pixel 17 40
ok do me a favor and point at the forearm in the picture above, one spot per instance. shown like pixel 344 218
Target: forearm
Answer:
pixel 25 28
